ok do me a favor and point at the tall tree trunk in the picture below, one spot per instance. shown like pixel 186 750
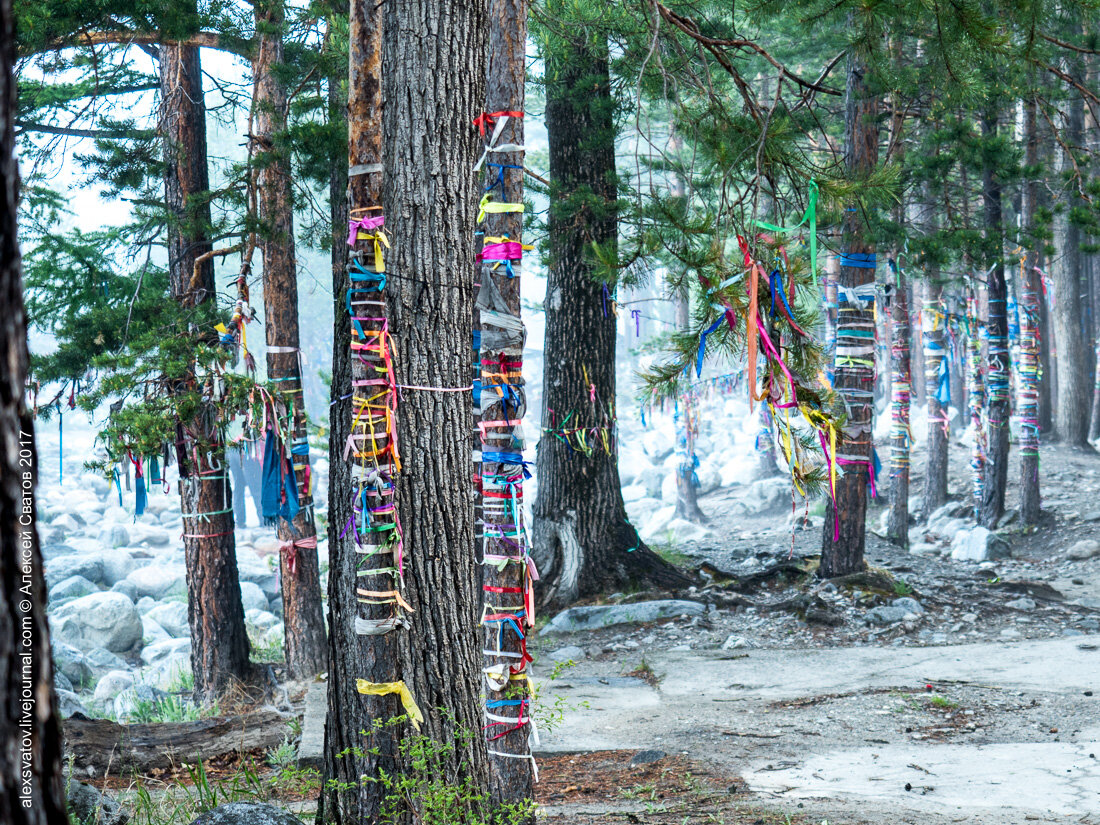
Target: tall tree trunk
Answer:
pixel 355 653
pixel 1027 396
pixel 434 54
pixel 766 462
pixel 844 532
pixel 898 525
pixel 31 783
pixel 937 380
pixel 582 541
pixel 507 580
pixel 219 642
pixel 1072 409
pixel 998 366
pixel 298 566
pixel 975 386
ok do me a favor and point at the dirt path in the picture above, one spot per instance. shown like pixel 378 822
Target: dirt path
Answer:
pixel 998 732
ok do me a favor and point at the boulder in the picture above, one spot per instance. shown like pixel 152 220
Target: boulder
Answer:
pixel 60 568
pixel 885 614
pixel 114 535
pixel 88 805
pixel 172 673
pixel 1023 603
pixel 152 632
pixel 126 588
pixel 161 650
pixel 130 700
pixel 61 681
pixel 569 653
pixel 633 492
pixel 111 685
pixel 910 604
pixel 274 637
pixel 107 620
pixel 100 660
pixel 261 620
pixel 1084 549
pixel 145 604
pixel 159 581
pixel 251 568
pixel 172 616
pixel 247 813
pixel 253 597
pixel 978 544
pixel 71 588
pixel 597 616
pixel 118 564
pixel 71 662
pixel 68 704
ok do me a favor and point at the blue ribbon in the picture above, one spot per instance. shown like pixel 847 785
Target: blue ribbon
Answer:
pixel 703 345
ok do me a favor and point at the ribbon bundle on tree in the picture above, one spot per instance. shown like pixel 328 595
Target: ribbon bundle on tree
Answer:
pixel 975 383
pixel 499 404
pixel 371 447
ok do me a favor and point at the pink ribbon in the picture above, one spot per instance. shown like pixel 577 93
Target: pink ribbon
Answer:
pixel 290 549
pixel 366 223
pixel 506 251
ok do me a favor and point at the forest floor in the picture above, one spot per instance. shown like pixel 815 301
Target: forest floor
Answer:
pixel 808 700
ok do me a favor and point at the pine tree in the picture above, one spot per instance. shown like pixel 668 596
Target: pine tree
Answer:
pixel 298 564
pixel 582 541
pixel 31 780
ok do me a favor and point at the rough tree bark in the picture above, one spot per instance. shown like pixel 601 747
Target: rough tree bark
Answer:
pixel 844 532
pixel 582 541
pixel 299 571
pixel 935 359
pixel 1027 392
pixel 353 747
pixel 219 642
pixel 434 55
pixel 31 783
pixel 897 529
pixel 1071 413
pixel 506 586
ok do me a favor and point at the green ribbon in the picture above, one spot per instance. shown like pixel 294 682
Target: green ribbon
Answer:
pixel 810 215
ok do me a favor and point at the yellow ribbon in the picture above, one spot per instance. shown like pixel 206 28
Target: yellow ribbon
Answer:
pixel 487 206
pixel 379 238
pixel 401 689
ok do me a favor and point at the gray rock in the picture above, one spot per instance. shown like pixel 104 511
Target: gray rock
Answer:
pixel 737 643
pixel 978 544
pixel 112 684
pixel 1007 518
pixel 1023 603
pixel 160 650
pixel 101 660
pixel 126 588
pixel 71 588
pixel 261 620
pixel 68 704
pixel 247 813
pixel 170 673
pixel 170 517
pixel 1084 549
pixel 885 614
pixel 70 661
pixel 252 568
pixel 107 620
pixel 66 523
pixel 115 536
pixel 646 757
pixel 128 702
pixel 922 548
pixel 597 616
pixel 118 564
pixel 152 632
pixel 1010 633
pixel 145 604
pixel 61 681
pixel 252 596
pixel 159 581
pixel 1092 516
pixel 172 616
pixel 87 806
pixel 910 604
pixel 60 568
pixel 567 653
